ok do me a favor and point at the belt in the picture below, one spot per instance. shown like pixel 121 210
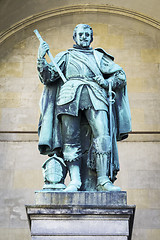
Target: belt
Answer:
pixel 79 77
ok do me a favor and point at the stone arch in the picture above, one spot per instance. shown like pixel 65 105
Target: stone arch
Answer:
pixel 77 9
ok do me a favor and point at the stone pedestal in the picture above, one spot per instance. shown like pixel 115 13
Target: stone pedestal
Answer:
pixel 81 216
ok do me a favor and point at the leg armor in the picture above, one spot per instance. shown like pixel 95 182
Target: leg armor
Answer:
pixel 72 149
pixel 98 121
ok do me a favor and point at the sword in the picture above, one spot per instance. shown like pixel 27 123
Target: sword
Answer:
pixel 51 57
pixel 111 101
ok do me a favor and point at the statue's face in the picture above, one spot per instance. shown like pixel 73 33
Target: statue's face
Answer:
pixel 83 37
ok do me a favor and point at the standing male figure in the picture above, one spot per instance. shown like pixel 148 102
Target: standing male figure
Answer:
pixel 85 93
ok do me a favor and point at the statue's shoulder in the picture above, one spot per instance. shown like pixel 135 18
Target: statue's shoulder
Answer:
pixel 102 52
pixel 60 57
pixel 61 54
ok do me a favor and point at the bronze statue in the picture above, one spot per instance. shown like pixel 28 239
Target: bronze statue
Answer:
pixel 90 92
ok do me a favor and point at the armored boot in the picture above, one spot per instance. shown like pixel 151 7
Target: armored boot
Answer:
pixel 74 172
pixel 103 182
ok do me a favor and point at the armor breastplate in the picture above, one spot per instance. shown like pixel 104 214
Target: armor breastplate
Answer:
pixel 81 68
pixel 78 65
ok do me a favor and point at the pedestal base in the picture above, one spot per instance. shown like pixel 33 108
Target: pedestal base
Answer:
pixel 75 218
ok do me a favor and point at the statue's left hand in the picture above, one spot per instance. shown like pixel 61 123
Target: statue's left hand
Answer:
pixel 121 75
pixel 119 80
pixel 101 81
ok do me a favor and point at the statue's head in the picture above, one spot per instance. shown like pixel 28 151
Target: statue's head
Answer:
pixel 83 35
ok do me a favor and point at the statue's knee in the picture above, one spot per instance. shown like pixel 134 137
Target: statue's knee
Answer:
pixel 102 144
pixel 72 152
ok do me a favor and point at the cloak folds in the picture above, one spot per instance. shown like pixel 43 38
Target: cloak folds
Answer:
pixel 49 125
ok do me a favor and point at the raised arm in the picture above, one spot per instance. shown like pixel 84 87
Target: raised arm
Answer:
pixel 47 72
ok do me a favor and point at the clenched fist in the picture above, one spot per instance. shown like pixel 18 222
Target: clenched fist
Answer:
pixel 43 48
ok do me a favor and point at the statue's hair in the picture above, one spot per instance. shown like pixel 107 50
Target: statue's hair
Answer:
pixel 84 27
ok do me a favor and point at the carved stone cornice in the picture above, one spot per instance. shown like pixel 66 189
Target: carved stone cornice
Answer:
pixel 87 8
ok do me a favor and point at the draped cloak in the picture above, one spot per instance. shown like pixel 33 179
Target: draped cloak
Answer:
pixel 49 128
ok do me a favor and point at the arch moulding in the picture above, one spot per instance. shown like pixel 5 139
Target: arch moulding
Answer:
pixel 88 8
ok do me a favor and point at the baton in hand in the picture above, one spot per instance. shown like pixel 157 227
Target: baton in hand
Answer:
pixel 51 57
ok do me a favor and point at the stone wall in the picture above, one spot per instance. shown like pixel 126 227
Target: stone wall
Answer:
pixel 135 46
